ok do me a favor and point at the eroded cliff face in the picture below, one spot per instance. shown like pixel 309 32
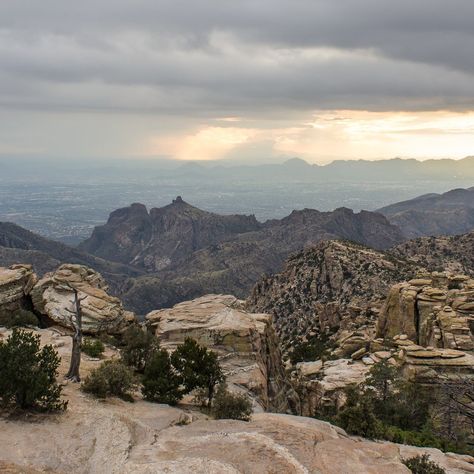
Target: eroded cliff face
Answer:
pixel 53 299
pixel 246 344
pixel 437 310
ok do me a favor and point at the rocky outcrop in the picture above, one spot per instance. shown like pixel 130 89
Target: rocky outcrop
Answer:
pixel 53 298
pixel 16 283
pixel 20 245
pixel 333 286
pixel 436 310
pixel 323 384
pixel 431 365
pixel 245 343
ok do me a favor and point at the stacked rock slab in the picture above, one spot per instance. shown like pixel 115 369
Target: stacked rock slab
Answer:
pixel 437 310
pixel 53 297
pixel 428 364
pixel 16 283
pixel 245 342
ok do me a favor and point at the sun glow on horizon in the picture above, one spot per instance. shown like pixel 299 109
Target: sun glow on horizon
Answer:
pixel 336 134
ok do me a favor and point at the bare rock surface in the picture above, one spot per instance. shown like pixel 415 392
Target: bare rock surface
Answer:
pixel 16 283
pixel 115 437
pixel 245 342
pixel 53 297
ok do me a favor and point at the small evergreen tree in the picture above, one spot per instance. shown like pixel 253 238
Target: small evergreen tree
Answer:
pixel 139 345
pixel 198 367
pixel 160 382
pixel 28 373
pixel 357 417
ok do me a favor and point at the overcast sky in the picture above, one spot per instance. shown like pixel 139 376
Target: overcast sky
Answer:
pixel 245 79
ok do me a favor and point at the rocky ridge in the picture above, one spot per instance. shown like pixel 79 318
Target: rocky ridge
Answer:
pixel 434 214
pixel 332 287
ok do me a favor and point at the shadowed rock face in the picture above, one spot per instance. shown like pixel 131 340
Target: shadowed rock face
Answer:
pixel 163 237
pixel 245 342
pixel 16 283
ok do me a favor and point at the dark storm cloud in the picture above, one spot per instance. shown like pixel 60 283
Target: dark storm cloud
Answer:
pixel 253 57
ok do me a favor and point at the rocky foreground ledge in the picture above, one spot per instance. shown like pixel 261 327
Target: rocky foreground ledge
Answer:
pixel 116 437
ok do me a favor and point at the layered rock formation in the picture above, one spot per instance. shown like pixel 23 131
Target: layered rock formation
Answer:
pixel 53 298
pixel 16 283
pixel 431 365
pixel 437 311
pixel 245 343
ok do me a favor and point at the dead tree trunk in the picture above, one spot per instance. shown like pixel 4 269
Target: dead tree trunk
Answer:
pixel 76 323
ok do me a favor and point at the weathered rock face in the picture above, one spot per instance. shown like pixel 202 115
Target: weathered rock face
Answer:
pixel 332 286
pixel 245 343
pixel 437 310
pixel 323 384
pixel 16 283
pixel 53 296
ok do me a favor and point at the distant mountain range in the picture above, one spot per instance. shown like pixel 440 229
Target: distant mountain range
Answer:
pixel 450 213
pixel 395 169
pixel 156 258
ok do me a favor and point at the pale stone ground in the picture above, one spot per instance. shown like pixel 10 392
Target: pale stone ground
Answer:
pixel 115 437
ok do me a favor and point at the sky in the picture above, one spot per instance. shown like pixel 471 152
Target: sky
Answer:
pixel 249 80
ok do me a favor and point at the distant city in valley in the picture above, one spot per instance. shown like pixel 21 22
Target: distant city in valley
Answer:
pixel 65 202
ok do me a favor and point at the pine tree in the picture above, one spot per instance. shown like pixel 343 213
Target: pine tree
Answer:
pixel 28 373
pixel 160 382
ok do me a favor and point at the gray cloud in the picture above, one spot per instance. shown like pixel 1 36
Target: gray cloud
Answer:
pixel 256 58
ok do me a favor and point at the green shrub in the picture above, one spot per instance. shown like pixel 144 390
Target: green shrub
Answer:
pixel 18 318
pixel 28 373
pixel 160 382
pixel 422 465
pixel 111 378
pixel 138 346
pixel 92 347
pixel 232 406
